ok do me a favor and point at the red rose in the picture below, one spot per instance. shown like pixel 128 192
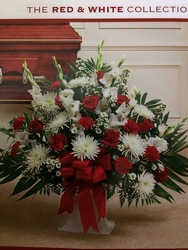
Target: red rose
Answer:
pixel 122 98
pixel 58 102
pixel 90 102
pixel 55 85
pixel 123 165
pixel 18 122
pixel 100 75
pixel 161 176
pixel 14 148
pixel 131 127
pixel 86 122
pixel 58 141
pixel 35 126
pixel 146 125
pixel 152 153
pixel 111 137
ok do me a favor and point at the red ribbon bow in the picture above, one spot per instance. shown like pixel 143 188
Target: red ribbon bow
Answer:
pixel 86 187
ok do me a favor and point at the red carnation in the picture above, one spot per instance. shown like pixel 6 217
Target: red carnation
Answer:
pixel 152 153
pixel 14 149
pixel 58 141
pixel 86 122
pixel 122 98
pixel 146 125
pixel 161 176
pixel 58 102
pixel 100 75
pixel 111 137
pixel 131 127
pixel 35 126
pixel 123 165
pixel 18 122
pixel 55 85
pixel 90 102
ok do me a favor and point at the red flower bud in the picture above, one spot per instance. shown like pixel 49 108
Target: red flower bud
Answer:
pixel 14 149
pixel 100 75
pixel 55 85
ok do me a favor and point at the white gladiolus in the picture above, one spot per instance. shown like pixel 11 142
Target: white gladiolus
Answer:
pixel 35 91
pixel 110 93
pixel 162 128
pixel 22 137
pixel 66 95
pixel 133 92
pixel 46 102
pixel 160 144
pixel 117 120
pixel 123 110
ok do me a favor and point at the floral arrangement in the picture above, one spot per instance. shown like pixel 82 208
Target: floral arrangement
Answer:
pixel 88 136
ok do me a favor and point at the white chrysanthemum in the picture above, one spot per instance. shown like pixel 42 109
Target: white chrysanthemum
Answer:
pixel 143 111
pixel 78 82
pixel 59 121
pixel 36 156
pixel 146 183
pixel 160 144
pixel 132 176
pixel 154 167
pixel 85 147
pixel 132 144
pixel 47 102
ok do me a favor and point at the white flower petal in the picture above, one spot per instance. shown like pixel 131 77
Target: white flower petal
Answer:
pixel 160 144
pixel 143 111
pixel 36 156
pixel 85 147
pixel 146 183
pixel 132 145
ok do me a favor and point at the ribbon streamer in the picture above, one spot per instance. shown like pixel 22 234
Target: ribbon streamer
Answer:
pixel 86 187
